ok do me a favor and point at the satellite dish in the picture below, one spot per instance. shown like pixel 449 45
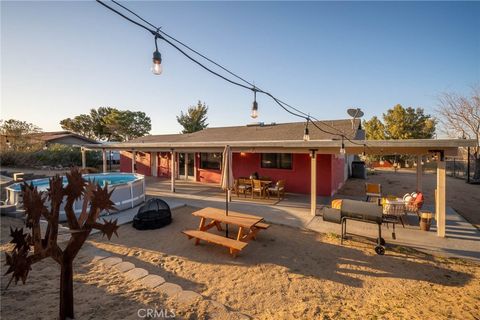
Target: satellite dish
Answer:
pixel 355 113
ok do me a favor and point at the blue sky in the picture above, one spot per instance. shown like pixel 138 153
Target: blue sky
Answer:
pixel 59 59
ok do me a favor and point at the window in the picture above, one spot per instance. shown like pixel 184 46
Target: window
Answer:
pixel 277 160
pixel 211 161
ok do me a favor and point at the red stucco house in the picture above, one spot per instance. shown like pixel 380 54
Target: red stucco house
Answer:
pixel 197 159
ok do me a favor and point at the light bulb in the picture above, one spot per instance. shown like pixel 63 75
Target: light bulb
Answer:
pixel 157 63
pixel 306 135
pixel 342 151
pixel 254 113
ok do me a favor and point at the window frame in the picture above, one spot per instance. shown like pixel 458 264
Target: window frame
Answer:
pixel 278 161
pixel 201 164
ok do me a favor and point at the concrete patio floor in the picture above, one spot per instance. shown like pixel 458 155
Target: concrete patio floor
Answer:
pixel 462 241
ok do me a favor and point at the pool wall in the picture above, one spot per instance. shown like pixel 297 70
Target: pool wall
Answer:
pixel 125 195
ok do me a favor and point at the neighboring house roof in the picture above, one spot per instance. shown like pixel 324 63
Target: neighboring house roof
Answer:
pixel 263 132
pixel 52 137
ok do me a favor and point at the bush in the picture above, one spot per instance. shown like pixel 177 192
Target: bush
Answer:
pixel 55 155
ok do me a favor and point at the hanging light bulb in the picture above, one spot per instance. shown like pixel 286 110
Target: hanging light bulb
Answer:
pixel 157 60
pixel 306 134
pixel 254 113
pixel 342 150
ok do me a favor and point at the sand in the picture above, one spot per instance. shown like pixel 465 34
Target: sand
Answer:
pixel 286 274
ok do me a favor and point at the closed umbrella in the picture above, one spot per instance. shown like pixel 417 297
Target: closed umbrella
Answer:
pixel 227 177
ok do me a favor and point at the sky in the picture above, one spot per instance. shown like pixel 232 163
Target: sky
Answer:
pixel 60 59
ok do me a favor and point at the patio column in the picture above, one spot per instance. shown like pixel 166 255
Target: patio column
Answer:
pixel 104 158
pixel 84 158
pixel 440 201
pixel 313 181
pixel 186 165
pixel 154 163
pixel 134 156
pixel 173 160
pixel 419 173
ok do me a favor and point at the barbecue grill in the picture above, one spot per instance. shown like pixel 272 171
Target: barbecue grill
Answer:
pixel 154 214
pixel 359 211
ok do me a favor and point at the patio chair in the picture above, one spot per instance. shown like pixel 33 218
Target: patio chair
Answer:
pixel 279 189
pixel 257 187
pixel 243 186
pixel 373 190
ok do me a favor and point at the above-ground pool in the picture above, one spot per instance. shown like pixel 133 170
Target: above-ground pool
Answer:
pixel 129 190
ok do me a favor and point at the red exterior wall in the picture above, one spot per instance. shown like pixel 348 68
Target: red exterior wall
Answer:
pixel 330 170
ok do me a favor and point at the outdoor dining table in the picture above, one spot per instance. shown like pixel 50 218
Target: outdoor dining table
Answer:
pixel 248 227
pixel 245 222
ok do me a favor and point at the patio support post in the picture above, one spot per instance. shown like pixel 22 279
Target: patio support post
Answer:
pixel 419 173
pixel 185 165
pixel 440 201
pixel 313 181
pixel 134 157
pixel 104 158
pixel 173 169
pixel 84 158
pixel 154 162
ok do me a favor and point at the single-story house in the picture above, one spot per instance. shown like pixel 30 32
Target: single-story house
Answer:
pixel 205 166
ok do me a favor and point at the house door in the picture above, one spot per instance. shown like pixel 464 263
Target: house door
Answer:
pixel 186 166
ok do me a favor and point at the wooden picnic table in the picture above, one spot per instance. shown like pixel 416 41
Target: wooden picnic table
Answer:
pixel 248 227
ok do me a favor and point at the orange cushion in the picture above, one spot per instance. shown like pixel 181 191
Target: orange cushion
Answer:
pixel 373 188
pixel 337 204
pixel 419 198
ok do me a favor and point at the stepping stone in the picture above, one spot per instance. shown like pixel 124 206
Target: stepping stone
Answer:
pixel 170 289
pixel 152 281
pixel 124 266
pixel 99 256
pixel 188 297
pixel 110 262
pixel 136 273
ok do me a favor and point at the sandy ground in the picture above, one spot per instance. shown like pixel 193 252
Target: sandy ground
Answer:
pixel 286 274
pixel 463 197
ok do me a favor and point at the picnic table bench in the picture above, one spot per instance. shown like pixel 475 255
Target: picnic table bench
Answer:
pixel 248 227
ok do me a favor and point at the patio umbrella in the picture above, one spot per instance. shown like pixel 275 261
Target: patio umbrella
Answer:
pixel 227 177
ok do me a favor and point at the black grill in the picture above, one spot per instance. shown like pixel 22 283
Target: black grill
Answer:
pixel 154 214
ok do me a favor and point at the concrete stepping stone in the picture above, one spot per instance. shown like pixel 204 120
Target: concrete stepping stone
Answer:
pixel 136 273
pixel 152 281
pixel 99 255
pixel 124 266
pixel 187 297
pixel 170 289
pixel 111 261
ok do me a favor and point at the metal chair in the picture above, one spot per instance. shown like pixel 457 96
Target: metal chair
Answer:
pixel 279 189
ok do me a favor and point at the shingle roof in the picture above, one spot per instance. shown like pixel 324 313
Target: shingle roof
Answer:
pixel 54 135
pixel 262 132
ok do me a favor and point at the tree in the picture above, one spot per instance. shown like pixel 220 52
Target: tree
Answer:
pixel 194 119
pixel 30 247
pixel 401 123
pixel 18 134
pixel 109 124
pixel 460 116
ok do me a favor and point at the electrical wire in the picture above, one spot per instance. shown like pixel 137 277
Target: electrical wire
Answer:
pixel 157 32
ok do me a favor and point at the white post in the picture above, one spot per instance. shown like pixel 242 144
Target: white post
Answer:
pixel 441 198
pixel 419 173
pixel 195 163
pixel 134 156
pixel 104 158
pixel 84 158
pixel 313 181
pixel 173 170
pixel 154 162
pixel 186 165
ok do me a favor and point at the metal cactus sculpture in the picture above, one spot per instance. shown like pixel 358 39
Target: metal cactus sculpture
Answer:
pixel 32 246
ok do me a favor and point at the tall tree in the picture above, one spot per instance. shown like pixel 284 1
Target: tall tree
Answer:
pixel 460 116
pixel 401 123
pixel 109 124
pixel 17 135
pixel 194 119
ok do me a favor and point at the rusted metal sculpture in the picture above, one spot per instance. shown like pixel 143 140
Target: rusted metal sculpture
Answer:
pixel 31 247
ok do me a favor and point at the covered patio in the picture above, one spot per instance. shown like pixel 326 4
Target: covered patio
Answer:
pixel 436 149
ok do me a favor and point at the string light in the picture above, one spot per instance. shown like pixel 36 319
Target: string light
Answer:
pixel 254 113
pixel 342 150
pixel 157 60
pixel 306 134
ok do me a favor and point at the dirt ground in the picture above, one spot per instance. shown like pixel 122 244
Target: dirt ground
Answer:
pixel 463 197
pixel 286 274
